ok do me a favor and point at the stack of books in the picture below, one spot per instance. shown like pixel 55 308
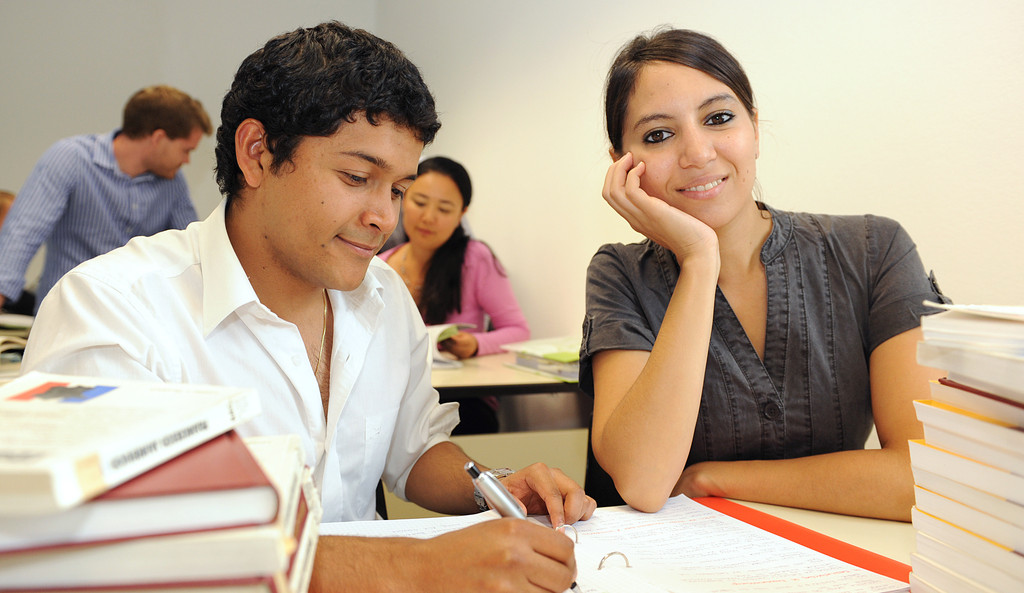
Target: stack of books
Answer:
pixel 132 486
pixel 13 337
pixel 558 358
pixel 969 468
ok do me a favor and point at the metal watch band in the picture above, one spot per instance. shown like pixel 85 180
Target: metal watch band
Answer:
pixel 499 473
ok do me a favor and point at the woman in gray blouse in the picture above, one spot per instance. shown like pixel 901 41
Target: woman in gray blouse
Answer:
pixel 741 351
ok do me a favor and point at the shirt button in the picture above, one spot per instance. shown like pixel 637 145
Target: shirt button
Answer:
pixel 772 411
pixel 297 359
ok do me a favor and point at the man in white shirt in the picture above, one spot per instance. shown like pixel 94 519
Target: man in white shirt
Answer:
pixel 279 290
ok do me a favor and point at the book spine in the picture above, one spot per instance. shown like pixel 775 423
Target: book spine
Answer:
pixel 307 535
pixel 956 467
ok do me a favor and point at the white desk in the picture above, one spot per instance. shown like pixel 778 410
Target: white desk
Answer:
pixel 892 539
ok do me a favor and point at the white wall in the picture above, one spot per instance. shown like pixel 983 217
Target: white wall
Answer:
pixel 909 109
pixel 68 66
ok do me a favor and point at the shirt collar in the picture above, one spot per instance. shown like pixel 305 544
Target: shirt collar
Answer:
pixel 103 156
pixel 778 238
pixel 226 288
pixel 103 151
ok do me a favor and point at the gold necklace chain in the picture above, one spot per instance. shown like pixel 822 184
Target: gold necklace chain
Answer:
pixel 323 338
pixel 413 288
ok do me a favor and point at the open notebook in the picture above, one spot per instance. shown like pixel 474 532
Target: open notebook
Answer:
pixel 685 546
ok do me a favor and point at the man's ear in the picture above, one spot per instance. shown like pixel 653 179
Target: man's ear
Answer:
pixel 154 139
pixel 251 151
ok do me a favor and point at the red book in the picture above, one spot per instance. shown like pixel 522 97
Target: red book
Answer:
pixel 275 556
pixel 216 485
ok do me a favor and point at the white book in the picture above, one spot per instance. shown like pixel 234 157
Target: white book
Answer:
pixel 972 497
pixel 307 535
pixel 997 568
pixel 997 373
pixel 981 438
pixel 65 439
pixel 1004 459
pixel 440 359
pixel 963 327
pixel 979 402
pixel 977 522
pixel 13 324
pixel 190 557
pixel 965 470
pixel 929 577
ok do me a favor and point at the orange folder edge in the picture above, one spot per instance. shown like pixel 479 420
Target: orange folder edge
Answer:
pixel 809 538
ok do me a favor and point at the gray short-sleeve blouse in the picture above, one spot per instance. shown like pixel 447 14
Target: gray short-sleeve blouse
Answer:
pixel 838 286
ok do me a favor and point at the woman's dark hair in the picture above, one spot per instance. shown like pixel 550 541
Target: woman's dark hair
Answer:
pixel 442 283
pixel 677 46
pixel 309 82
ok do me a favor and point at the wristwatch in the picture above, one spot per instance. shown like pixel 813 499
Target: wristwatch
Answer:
pixel 498 473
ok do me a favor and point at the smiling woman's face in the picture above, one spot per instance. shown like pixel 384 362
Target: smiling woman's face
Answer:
pixel 698 142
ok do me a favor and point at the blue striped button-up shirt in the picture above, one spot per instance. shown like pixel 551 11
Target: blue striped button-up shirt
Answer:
pixel 81 204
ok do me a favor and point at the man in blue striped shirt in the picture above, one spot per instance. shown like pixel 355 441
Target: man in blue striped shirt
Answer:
pixel 92 193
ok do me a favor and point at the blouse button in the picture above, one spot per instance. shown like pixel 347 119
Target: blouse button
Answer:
pixel 772 411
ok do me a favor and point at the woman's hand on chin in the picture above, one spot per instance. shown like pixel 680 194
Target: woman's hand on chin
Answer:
pixel 664 224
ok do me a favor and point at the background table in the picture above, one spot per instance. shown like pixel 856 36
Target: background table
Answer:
pixel 490 375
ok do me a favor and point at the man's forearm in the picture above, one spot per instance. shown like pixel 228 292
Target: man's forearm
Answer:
pixel 439 482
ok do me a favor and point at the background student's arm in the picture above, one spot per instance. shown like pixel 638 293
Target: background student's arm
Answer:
pixel 493 291
pixel 872 482
pixel 30 221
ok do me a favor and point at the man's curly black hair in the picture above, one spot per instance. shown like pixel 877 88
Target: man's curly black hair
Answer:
pixel 309 82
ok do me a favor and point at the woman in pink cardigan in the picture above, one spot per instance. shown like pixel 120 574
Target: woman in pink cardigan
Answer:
pixel 455 279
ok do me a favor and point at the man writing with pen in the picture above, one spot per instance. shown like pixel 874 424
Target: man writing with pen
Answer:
pixel 279 290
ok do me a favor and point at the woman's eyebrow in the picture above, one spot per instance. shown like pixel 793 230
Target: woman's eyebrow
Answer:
pixel 707 103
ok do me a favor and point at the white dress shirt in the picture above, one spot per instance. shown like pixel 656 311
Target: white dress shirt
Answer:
pixel 178 307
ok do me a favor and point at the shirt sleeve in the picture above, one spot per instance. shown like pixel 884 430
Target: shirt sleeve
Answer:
pixel 84 327
pixel 899 283
pixel 36 209
pixel 422 421
pixel 494 293
pixel 615 318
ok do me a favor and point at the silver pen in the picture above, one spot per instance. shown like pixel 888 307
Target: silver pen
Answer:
pixel 496 495
pixel 499 498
